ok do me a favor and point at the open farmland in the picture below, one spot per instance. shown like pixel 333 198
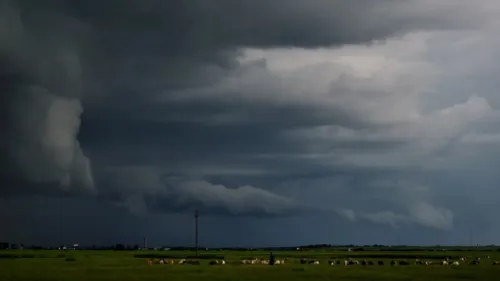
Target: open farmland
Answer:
pixel 132 265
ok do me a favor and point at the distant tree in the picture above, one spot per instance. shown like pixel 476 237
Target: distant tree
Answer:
pixel 36 247
pixel 119 247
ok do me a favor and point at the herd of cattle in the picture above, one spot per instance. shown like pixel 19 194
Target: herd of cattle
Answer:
pixel 446 261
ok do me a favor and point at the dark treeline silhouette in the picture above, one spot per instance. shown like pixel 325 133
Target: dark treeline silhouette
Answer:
pixel 315 247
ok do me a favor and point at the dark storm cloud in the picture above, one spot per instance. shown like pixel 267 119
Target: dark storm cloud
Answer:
pixel 54 52
pixel 153 87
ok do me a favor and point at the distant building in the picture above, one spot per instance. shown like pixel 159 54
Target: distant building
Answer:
pixel 4 246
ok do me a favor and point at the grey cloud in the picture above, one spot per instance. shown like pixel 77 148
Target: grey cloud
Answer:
pixel 348 214
pixel 143 189
pixel 412 143
pixel 61 65
pixel 420 213
pixel 430 216
pixel 386 217
pixel 214 92
pixel 383 199
pixel 41 97
pixel 480 139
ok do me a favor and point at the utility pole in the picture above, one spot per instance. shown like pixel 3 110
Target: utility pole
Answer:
pixel 470 237
pixel 196 230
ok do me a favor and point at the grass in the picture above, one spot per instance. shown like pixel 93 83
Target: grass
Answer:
pixel 27 265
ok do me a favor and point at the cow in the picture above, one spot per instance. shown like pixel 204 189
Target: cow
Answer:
pixel 496 263
pixel 475 262
pixel 393 263
pixel 444 262
pixel 363 262
pixel 455 263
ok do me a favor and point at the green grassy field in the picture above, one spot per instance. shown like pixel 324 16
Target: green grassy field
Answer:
pixel 123 266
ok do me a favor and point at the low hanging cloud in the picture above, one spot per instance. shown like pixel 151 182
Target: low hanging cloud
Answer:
pixel 430 216
pixel 148 189
pixel 386 217
pixel 420 213
pixel 409 204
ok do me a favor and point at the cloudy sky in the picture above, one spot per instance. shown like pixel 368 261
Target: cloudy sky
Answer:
pixel 284 122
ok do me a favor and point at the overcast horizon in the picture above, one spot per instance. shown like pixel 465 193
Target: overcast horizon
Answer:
pixel 284 122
